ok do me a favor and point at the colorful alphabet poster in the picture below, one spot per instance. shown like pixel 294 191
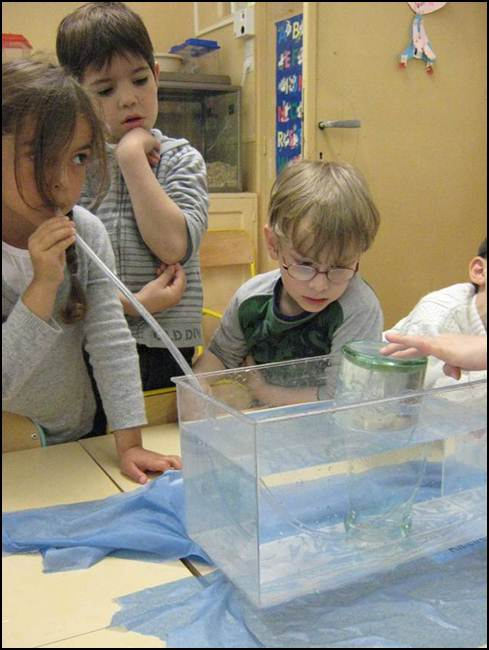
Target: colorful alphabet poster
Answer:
pixel 289 110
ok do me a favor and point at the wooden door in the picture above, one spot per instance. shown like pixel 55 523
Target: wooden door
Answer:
pixel 267 15
pixel 422 143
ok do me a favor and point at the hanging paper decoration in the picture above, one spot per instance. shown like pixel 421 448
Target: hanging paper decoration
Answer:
pixel 420 47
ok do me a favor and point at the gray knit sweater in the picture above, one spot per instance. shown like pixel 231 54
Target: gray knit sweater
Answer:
pixel 43 373
pixel 182 174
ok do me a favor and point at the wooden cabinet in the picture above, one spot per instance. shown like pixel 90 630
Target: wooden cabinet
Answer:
pixel 229 212
pixel 234 211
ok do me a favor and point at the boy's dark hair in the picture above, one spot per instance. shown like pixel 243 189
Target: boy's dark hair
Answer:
pixel 95 32
pixel 43 99
pixel 482 252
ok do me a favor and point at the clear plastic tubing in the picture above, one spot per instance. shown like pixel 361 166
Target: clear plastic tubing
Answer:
pixel 159 331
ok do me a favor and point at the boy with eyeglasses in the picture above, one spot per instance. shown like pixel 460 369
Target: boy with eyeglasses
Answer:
pixel 321 220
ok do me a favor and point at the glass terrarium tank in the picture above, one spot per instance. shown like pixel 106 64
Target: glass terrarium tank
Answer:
pixel 288 498
pixel 205 109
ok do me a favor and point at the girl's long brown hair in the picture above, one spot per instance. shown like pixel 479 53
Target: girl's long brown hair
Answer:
pixel 43 97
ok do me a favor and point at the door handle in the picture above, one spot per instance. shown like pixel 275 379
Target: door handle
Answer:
pixel 340 124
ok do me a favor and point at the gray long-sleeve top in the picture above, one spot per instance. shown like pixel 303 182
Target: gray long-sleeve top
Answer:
pixel 44 375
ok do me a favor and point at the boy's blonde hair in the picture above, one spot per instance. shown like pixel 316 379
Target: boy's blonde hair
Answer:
pixel 323 208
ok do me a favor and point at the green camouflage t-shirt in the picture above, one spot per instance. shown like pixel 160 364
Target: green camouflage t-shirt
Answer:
pixel 253 325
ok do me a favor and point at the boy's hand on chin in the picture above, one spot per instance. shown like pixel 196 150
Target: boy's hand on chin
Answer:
pixel 138 140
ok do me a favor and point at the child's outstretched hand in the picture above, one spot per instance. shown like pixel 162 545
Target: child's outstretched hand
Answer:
pixel 165 291
pixel 458 351
pixel 136 461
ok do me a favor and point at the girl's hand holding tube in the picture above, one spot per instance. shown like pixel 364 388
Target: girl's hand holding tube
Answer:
pixel 47 247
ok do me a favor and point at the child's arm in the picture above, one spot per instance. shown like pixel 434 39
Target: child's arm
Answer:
pixel 29 332
pixel 160 221
pixel 208 362
pixel 114 359
pixel 227 348
pixel 272 395
pixel 435 313
pixel 458 351
pixel 135 460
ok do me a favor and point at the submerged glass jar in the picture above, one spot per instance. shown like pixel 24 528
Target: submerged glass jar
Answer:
pixel 386 466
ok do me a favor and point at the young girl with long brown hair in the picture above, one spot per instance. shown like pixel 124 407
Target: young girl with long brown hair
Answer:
pixel 55 302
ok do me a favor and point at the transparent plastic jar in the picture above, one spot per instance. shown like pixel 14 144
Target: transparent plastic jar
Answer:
pixel 387 467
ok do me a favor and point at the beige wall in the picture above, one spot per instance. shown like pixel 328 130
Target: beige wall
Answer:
pixel 422 143
pixel 168 23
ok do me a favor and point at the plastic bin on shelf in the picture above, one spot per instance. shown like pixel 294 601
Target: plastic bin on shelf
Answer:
pixel 15 46
pixel 199 55
pixel 292 499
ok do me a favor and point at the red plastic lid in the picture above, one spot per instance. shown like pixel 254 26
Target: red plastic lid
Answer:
pixel 15 40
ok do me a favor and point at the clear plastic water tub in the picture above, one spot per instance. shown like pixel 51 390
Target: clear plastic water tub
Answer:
pixel 288 496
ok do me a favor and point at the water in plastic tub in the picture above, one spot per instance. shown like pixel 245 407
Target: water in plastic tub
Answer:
pixel 270 487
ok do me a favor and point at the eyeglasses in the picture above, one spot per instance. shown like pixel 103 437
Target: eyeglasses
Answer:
pixel 337 275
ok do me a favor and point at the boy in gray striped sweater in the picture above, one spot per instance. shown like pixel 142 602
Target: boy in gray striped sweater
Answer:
pixel 155 208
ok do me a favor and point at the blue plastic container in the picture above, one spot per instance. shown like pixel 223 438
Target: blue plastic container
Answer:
pixel 194 47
